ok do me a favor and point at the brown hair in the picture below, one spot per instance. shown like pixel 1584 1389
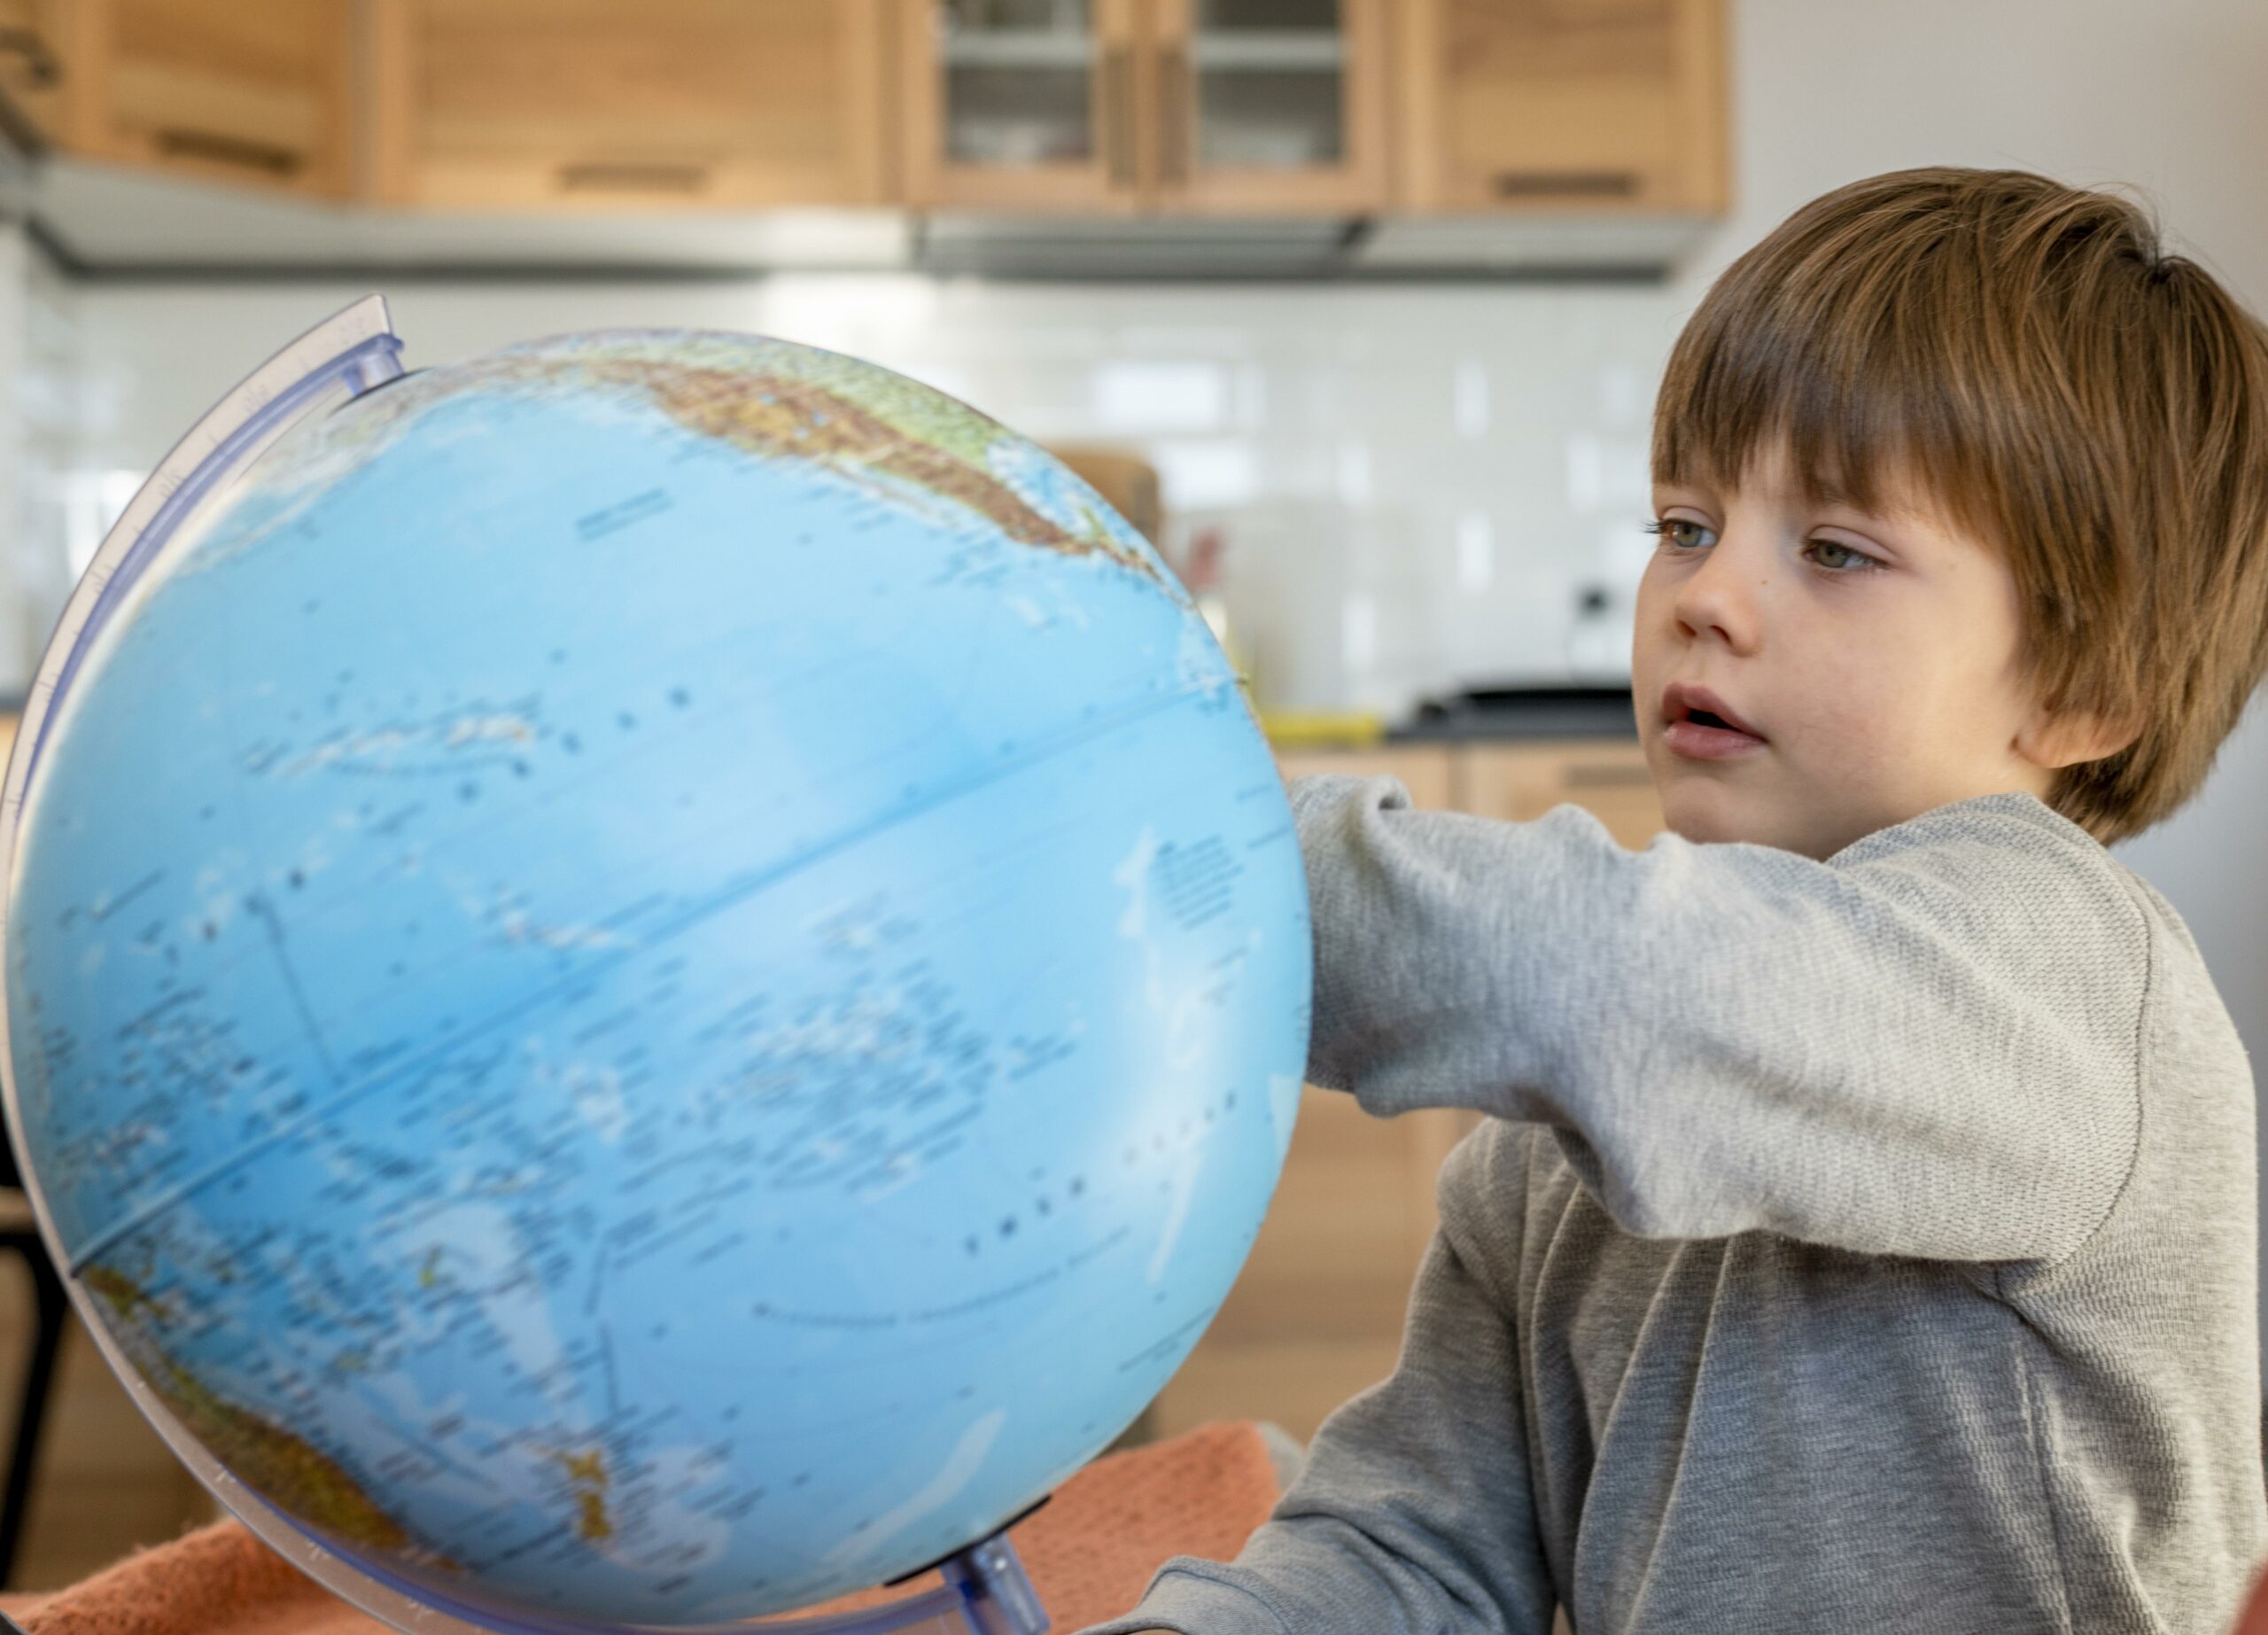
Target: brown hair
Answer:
pixel 2094 408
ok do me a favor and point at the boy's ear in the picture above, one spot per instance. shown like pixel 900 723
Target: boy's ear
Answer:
pixel 2051 740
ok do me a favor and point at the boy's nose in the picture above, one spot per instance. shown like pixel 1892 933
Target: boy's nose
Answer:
pixel 1718 598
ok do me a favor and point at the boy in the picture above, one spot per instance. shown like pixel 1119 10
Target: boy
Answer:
pixel 1865 1236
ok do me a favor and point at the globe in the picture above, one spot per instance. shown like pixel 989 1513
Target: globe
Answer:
pixel 650 977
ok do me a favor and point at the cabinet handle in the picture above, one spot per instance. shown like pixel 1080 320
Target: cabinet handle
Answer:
pixel 246 153
pixel 1176 102
pixel 1118 115
pixel 630 176
pixel 1565 183
pixel 40 64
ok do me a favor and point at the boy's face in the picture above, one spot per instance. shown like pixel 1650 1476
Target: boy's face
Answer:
pixel 1874 657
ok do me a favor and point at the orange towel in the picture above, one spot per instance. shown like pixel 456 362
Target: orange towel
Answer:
pixel 2255 1621
pixel 1090 1551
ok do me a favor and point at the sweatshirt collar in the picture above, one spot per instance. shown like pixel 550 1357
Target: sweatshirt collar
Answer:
pixel 2017 804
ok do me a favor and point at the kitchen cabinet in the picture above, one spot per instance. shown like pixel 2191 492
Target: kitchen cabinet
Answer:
pixel 1036 136
pixel 1317 1313
pixel 1270 107
pixel 1506 105
pixel 1523 781
pixel 1025 104
pixel 583 105
pixel 31 66
pixel 1519 779
pixel 247 91
pixel 1426 770
pixel 1125 107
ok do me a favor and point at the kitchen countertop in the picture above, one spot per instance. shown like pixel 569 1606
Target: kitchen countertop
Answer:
pixel 1520 713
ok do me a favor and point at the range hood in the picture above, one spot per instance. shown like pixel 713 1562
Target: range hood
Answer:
pixel 111 221
pixel 1594 245
pixel 1130 247
pixel 106 220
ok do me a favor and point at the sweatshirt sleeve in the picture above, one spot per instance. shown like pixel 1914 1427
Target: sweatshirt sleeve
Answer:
pixel 1414 1512
pixel 1926 1045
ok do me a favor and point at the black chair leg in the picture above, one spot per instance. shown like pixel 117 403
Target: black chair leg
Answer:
pixel 31 1404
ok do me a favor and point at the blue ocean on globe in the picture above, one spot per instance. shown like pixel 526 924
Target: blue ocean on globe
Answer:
pixel 654 977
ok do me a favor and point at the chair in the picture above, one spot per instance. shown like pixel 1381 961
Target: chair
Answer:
pixel 20 1232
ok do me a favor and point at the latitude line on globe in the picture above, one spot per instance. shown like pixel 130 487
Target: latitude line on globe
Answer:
pixel 730 897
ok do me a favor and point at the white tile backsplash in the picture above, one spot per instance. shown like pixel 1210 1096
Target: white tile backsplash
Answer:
pixel 1145 397
pixel 1471 398
pixel 1414 481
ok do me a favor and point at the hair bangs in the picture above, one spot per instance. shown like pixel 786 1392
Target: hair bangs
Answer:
pixel 1826 370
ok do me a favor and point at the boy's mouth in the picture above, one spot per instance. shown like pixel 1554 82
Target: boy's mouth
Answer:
pixel 1698 724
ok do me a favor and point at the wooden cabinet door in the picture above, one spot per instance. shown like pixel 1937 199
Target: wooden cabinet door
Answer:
pixel 1026 105
pixel 601 104
pixel 1424 768
pixel 32 69
pixel 1522 782
pixel 1270 108
pixel 1512 103
pixel 256 92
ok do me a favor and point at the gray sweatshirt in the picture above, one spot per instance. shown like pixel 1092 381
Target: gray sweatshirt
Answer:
pixel 1865 1245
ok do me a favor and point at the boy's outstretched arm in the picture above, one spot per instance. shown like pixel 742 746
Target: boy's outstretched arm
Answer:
pixel 1926 1045
pixel 1414 1512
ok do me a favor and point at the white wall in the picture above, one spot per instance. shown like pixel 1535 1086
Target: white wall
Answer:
pixel 2164 96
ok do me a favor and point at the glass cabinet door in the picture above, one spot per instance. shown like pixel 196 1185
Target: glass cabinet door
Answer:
pixel 1275 106
pixel 1023 103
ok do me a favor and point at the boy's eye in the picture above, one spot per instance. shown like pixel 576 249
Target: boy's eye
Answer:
pixel 1837 557
pixel 1682 533
pixel 1680 530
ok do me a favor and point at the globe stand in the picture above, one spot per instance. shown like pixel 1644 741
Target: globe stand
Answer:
pixel 985 1591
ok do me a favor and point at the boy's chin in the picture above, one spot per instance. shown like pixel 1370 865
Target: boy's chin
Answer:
pixel 1704 811
pixel 1700 808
